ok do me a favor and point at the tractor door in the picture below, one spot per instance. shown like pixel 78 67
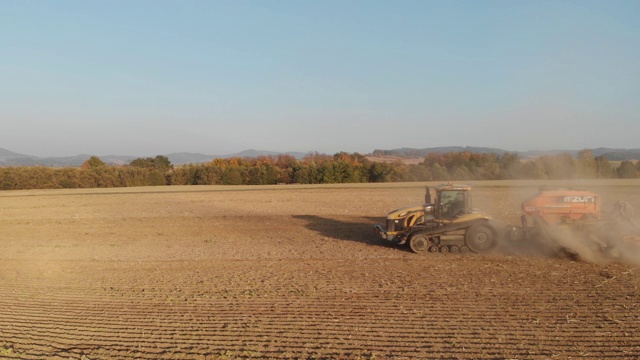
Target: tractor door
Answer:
pixel 453 203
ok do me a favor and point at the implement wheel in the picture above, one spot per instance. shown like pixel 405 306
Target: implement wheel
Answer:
pixel 419 243
pixel 479 238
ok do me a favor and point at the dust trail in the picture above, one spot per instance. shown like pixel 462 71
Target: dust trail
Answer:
pixel 603 241
pixel 577 244
pixel 615 237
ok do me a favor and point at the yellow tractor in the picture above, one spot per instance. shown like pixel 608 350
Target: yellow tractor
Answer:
pixel 446 222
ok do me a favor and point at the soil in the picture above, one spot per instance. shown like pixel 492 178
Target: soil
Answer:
pixel 286 272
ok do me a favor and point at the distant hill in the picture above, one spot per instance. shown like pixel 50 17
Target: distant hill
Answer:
pixel 9 158
pixel 255 153
pixel 407 155
pixel 188 158
pixel 420 153
pixel 6 155
pixel 618 154
pixel 410 153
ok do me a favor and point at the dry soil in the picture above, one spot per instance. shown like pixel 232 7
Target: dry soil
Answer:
pixel 292 272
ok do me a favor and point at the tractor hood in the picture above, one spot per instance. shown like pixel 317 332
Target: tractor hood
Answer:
pixel 404 211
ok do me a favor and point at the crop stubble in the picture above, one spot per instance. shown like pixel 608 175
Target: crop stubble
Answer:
pixel 290 272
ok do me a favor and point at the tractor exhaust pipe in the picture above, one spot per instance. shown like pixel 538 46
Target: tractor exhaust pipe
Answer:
pixel 427 196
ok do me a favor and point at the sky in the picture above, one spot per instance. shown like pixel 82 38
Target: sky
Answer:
pixel 152 77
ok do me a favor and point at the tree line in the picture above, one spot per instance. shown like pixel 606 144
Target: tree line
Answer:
pixel 317 169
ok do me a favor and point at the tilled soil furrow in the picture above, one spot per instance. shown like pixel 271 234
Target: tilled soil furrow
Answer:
pixel 439 315
pixel 378 320
pixel 65 337
pixel 361 334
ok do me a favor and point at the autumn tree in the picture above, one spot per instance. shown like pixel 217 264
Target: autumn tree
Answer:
pixel 160 163
pixel 586 165
pixel 232 175
pixel 92 162
pixel 380 172
pixel 603 167
pixel 510 166
pixel 286 163
pixel 627 170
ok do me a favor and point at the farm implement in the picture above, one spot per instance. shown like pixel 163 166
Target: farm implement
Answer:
pixel 559 221
pixel 571 222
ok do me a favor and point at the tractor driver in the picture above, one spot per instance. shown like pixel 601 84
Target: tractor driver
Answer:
pixel 457 205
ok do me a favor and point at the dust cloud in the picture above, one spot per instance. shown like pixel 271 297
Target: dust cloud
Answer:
pixel 605 242
pixel 613 238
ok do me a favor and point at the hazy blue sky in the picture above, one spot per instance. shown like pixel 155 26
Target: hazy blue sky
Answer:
pixel 153 77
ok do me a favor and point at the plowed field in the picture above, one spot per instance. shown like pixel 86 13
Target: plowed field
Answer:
pixel 292 272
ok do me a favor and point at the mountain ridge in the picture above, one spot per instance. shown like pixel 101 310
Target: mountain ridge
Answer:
pixel 612 154
pixel 10 158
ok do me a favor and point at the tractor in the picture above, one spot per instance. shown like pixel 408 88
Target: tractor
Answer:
pixel 564 222
pixel 446 222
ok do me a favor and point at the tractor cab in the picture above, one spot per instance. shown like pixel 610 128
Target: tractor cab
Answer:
pixel 451 201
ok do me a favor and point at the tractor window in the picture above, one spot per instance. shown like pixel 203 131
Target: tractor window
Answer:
pixel 452 202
